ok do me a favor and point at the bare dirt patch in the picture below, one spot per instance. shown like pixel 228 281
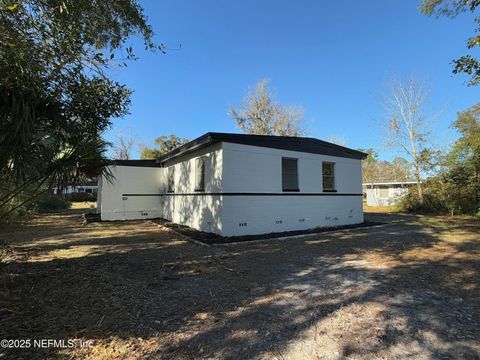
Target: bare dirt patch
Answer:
pixel 409 289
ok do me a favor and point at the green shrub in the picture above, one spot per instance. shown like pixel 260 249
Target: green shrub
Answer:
pixel 440 197
pixel 81 197
pixel 432 204
pixel 50 203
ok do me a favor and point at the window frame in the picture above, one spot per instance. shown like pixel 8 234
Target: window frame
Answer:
pixel 171 179
pixel 196 187
pixel 284 189
pixel 333 177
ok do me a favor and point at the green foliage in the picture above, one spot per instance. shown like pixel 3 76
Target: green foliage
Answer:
pixel 435 200
pixel 55 98
pixel 465 154
pixel 81 197
pixel 440 197
pixel 46 203
pixel 164 145
pixel 466 64
pixel 455 189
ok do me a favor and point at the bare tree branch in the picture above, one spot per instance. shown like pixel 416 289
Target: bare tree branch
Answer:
pixel 406 122
pixel 261 114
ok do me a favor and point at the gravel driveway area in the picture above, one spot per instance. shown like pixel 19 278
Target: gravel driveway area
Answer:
pixel 408 289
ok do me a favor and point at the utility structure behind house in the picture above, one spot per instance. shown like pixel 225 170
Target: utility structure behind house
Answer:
pixel 236 184
pixel 386 193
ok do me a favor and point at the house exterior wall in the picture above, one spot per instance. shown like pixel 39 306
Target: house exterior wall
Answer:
pixel 188 207
pixel 243 192
pixel 140 183
pixel 376 198
pixel 257 172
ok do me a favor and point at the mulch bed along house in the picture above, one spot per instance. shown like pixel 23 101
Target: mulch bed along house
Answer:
pixel 213 239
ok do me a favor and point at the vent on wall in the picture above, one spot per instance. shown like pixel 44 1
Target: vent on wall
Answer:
pixel 278 221
pixel 301 220
pixel 242 224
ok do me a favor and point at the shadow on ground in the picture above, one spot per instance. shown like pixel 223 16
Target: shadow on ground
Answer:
pixel 408 289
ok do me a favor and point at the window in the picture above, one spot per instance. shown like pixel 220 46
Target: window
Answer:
pixel 171 180
pixel 200 174
pixel 383 191
pixel 328 173
pixel 289 174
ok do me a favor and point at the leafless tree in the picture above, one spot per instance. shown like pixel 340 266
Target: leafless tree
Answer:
pixel 122 147
pixel 338 139
pixel 406 122
pixel 261 114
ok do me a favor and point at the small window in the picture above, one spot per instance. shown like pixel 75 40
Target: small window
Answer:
pixel 200 174
pixel 328 172
pixel 383 191
pixel 171 180
pixel 290 174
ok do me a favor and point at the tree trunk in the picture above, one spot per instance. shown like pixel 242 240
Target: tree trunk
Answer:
pixel 419 184
pixel 477 188
pixel 416 163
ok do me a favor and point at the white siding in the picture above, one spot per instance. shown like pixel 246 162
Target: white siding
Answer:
pixel 131 180
pixel 238 169
pixel 259 169
pixel 249 169
pixel 375 198
pixel 261 213
pixel 190 208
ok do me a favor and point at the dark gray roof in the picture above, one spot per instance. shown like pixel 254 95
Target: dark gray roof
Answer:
pixel 301 144
pixel 138 163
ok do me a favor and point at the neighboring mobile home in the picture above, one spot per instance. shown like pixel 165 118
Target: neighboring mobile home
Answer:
pixel 233 184
pixel 84 187
pixel 385 193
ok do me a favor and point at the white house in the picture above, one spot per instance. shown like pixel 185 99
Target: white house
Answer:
pixel 385 193
pixel 233 184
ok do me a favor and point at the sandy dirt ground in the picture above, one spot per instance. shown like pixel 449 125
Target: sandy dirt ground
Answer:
pixel 128 290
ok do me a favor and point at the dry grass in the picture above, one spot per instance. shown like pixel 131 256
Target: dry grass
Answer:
pixel 380 209
pixel 406 290
pixel 84 205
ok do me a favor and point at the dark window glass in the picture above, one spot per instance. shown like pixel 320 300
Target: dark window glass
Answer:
pixel 328 172
pixel 289 174
pixel 200 174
